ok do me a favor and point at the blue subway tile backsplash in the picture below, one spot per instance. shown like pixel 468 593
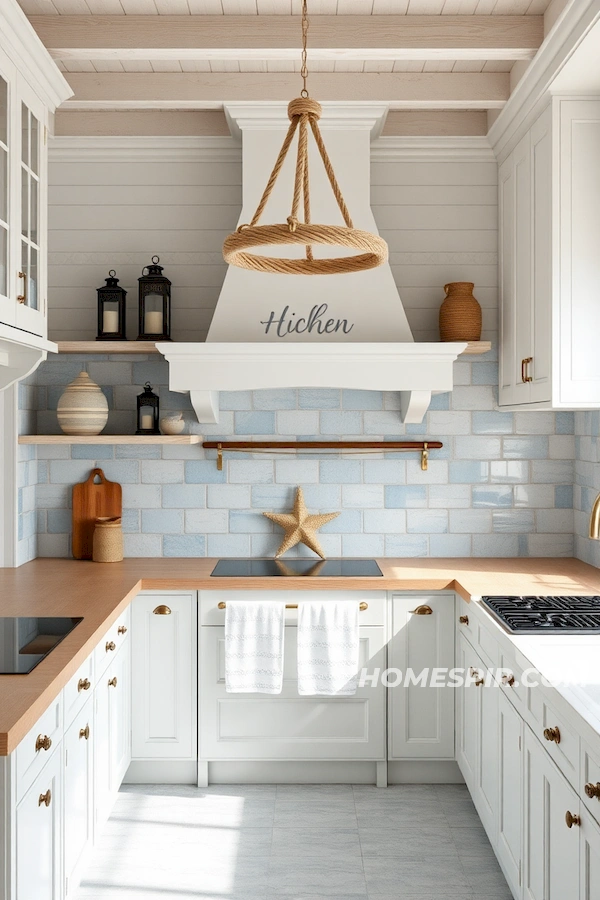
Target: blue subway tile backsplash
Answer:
pixel 504 483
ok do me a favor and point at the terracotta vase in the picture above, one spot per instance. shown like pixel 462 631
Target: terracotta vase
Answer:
pixel 460 313
pixel 82 408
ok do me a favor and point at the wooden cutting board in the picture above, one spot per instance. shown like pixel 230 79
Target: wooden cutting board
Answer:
pixel 92 499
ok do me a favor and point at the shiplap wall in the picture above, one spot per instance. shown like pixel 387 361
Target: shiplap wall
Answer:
pixel 438 216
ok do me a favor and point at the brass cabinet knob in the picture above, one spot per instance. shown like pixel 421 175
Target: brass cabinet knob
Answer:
pixel 84 732
pixel 161 610
pixel 46 798
pixel 525 377
pixel 422 611
pixel 571 820
pixel 592 790
pixel 508 680
pixel 43 742
pixel 84 684
pixel 464 620
pixel 113 682
pixel 122 629
pixel 110 645
pixel 552 734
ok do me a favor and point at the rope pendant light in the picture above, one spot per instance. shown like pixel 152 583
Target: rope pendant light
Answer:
pixel 304 113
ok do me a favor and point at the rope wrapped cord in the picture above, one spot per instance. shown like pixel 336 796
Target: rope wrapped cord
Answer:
pixel 373 249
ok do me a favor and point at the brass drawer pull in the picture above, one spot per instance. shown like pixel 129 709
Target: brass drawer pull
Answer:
pixel 592 790
pixel 508 680
pixel 84 732
pixel 474 673
pixel 161 610
pixel 110 645
pixel 552 734
pixel 422 611
pixel 122 629
pixel 571 820
pixel 113 682
pixel 84 684
pixel 22 298
pixel 464 620
pixel 43 742
pixel 525 378
pixel 45 798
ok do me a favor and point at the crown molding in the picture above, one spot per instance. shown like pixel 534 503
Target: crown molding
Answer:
pixel 531 93
pixel 30 56
pixel 127 148
pixel 407 148
pixel 204 148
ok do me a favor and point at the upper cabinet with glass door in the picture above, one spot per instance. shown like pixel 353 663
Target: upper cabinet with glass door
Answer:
pixel 31 87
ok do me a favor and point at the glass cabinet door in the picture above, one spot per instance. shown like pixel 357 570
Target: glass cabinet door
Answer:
pixel 7 302
pixel 30 262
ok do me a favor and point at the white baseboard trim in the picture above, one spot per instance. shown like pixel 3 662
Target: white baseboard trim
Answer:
pixel 424 771
pixel 162 771
pixel 167 771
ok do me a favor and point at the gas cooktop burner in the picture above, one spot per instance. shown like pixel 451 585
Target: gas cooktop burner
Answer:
pixel 536 615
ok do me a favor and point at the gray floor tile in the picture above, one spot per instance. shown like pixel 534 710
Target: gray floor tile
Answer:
pixel 314 815
pixel 337 876
pixel 327 842
pixel 330 793
pixel 408 841
pixel 385 875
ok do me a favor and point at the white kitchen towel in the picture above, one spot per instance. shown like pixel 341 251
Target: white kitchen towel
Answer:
pixel 328 647
pixel 254 646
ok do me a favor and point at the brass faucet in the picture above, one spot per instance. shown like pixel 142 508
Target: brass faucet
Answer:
pixel 595 520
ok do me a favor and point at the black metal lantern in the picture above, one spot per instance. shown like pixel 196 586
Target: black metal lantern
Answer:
pixel 154 304
pixel 147 411
pixel 111 310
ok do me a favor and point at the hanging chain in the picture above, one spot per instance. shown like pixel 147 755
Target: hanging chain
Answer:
pixel 304 68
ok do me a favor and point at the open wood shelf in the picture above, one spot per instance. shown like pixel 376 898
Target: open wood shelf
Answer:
pixel 110 439
pixel 106 347
pixel 474 348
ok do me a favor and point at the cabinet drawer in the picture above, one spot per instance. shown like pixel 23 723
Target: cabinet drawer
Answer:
pixel 109 645
pixel 466 618
pixel 590 779
pixel 374 614
pixel 38 746
pixel 548 722
pixel 512 684
pixel 78 690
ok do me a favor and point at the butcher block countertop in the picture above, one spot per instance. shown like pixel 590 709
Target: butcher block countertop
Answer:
pixel 100 592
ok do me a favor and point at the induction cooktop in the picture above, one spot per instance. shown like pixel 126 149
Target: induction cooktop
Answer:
pixel 294 568
pixel 26 640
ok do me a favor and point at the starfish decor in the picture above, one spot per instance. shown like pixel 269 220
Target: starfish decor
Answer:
pixel 300 527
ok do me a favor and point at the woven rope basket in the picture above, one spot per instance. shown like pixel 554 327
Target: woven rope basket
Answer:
pixel 108 540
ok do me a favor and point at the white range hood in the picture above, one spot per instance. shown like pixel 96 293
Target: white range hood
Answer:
pixel 330 331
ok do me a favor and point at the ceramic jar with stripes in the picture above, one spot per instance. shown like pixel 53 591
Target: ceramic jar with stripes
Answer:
pixel 82 408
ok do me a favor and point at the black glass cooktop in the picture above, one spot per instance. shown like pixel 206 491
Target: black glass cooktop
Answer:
pixel 25 641
pixel 292 568
pixel 537 615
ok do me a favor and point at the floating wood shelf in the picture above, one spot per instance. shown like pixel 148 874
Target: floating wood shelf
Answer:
pixel 110 439
pixel 474 347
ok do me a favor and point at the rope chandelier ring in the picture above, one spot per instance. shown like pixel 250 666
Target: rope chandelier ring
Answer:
pixel 374 248
pixel 304 114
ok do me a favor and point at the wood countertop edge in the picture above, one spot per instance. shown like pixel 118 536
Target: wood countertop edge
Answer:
pixel 466 577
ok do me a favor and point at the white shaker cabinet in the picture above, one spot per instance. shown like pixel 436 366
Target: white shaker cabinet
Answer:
pixel 510 792
pixel 551 851
pixel 38 836
pixel 549 234
pixel 112 739
pixel 421 719
pixel 164 673
pixel 78 794
pixel 477 734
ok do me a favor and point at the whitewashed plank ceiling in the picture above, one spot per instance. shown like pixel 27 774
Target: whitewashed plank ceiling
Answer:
pixel 284 7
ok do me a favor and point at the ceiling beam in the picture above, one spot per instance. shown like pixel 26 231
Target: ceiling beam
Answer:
pixel 402 90
pixel 218 37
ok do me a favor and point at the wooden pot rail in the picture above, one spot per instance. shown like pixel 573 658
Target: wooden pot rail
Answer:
pixel 423 447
